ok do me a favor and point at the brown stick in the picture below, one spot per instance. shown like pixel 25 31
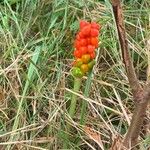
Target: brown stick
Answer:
pixel 140 96
pixel 133 81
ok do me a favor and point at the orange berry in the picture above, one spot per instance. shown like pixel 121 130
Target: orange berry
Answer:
pixel 85 58
pixel 84 68
pixel 83 50
pixel 94 41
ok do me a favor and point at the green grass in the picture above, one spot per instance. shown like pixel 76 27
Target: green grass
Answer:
pixel 36 44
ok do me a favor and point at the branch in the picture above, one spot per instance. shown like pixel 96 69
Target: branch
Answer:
pixel 147 86
pixel 133 81
pixel 141 96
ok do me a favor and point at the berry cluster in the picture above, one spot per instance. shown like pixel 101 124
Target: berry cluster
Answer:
pixel 85 44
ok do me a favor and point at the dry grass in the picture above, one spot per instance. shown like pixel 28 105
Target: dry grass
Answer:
pixel 35 54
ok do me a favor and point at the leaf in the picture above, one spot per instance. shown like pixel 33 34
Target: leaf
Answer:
pixel 31 72
pixel 117 144
pixel 94 135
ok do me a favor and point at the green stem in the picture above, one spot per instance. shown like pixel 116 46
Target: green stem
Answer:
pixel 77 84
pixel 84 103
pixel 83 113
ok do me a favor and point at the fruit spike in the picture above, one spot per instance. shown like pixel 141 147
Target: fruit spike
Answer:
pixel 85 45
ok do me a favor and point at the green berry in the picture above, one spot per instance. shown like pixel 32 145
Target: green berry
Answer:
pixel 76 72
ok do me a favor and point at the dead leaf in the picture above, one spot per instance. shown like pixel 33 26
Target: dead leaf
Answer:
pixel 117 144
pixel 15 86
pixel 94 135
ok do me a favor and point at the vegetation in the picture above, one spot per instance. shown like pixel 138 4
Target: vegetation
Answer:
pixel 36 52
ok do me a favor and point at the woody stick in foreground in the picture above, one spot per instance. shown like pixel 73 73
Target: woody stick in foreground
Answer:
pixel 141 95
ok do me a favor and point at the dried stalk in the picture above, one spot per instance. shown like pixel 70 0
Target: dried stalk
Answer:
pixel 141 95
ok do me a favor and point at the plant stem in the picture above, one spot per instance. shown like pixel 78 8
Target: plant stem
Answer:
pixel 77 85
pixel 86 94
pixel 136 123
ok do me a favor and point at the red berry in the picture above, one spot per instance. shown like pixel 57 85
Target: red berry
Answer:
pixel 91 49
pixel 88 41
pixel 83 24
pixel 83 42
pixel 83 50
pixel 92 55
pixel 86 30
pixel 95 25
pixel 94 32
pixel 77 54
pixel 94 41
pixel 78 37
pixel 81 34
pixel 77 44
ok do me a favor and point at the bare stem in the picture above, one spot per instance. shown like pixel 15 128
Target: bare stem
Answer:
pixel 72 109
pixel 131 138
pixel 140 96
